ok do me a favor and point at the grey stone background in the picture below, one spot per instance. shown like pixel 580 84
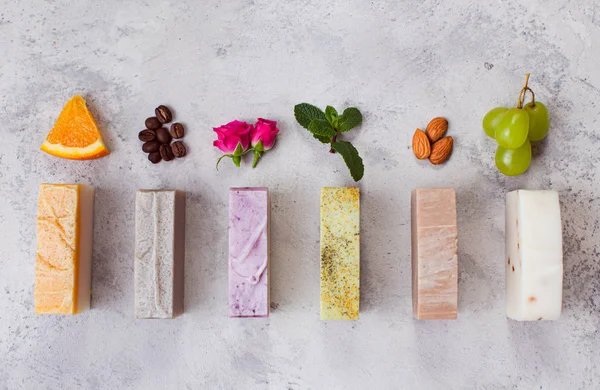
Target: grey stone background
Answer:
pixel 401 63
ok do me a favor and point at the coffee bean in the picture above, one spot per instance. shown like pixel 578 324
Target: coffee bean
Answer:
pixel 163 136
pixel 177 130
pixel 154 157
pixel 166 153
pixel 163 114
pixel 147 135
pixel 151 146
pixel 153 123
pixel 178 149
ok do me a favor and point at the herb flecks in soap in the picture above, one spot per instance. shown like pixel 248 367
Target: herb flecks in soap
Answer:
pixel 327 127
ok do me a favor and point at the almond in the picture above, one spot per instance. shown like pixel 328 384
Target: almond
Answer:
pixel 420 145
pixel 436 129
pixel 441 150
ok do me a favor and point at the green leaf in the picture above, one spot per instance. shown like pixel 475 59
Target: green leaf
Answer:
pixel 323 139
pixel 351 157
pixel 350 119
pixel 321 128
pixel 306 113
pixel 331 115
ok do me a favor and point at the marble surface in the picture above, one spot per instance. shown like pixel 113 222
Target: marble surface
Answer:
pixel 401 63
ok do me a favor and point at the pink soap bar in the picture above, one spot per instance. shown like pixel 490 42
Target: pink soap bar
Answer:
pixel 434 254
pixel 249 252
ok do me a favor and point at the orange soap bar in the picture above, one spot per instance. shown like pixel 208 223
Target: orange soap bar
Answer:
pixel 64 249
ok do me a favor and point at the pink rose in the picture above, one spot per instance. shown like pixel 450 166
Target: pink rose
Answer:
pixel 265 131
pixel 232 134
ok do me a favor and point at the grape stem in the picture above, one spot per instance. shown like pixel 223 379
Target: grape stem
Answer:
pixel 523 93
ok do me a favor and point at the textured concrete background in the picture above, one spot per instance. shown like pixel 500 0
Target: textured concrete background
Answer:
pixel 401 63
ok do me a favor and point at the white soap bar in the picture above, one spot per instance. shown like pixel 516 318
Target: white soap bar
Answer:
pixel 534 259
pixel 159 253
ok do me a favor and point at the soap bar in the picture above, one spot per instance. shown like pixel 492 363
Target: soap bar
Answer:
pixel 434 254
pixel 63 267
pixel 249 246
pixel 159 253
pixel 534 257
pixel 340 253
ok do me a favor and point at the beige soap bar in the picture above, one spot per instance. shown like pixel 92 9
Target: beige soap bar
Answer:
pixel 159 253
pixel 434 254
pixel 63 266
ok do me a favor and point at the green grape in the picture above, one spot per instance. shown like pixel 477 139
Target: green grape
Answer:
pixel 539 121
pixel 491 119
pixel 513 128
pixel 513 162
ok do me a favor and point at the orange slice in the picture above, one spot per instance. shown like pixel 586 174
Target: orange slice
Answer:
pixel 75 134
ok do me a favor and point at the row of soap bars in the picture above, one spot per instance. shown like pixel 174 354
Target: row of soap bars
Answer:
pixel 64 253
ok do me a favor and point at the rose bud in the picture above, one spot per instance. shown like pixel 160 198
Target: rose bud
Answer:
pixel 232 134
pixel 233 139
pixel 265 131
pixel 262 137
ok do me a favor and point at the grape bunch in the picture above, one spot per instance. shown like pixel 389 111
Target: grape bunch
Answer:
pixel 514 129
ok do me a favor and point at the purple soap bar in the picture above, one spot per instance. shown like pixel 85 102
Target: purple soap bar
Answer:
pixel 249 252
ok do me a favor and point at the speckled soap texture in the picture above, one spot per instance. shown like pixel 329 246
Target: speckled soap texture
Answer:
pixel 534 256
pixel 249 212
pixel 340 253
pixel 159 253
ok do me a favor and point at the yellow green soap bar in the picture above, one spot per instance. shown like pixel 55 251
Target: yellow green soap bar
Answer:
pixel 340 253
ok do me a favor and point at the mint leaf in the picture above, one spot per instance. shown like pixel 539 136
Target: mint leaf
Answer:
pixel 351 157
pixel 350 119
pixel 323 139
pixel 331 115
pixel 306 113
pixel 321 128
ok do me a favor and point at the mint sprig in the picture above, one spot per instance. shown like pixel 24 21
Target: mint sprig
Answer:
pixel 327 126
